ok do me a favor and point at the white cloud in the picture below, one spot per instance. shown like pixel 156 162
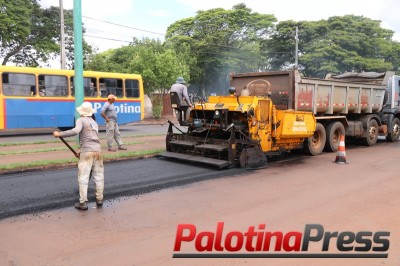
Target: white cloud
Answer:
pixel 296 10
pixel 101 10
pixel 160 13
pixel 196 5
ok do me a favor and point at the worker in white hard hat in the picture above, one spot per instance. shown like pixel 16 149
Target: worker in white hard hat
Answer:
pixel 180 88
pixel 90 156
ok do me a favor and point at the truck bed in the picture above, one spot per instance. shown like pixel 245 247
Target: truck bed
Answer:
pixel 289 90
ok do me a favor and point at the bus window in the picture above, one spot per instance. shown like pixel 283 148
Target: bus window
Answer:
pixel 51 85
pixel 103 91
pixel 72 86
pixel 132 88
pixel 110 86
pixel 90 87
pixel 16 84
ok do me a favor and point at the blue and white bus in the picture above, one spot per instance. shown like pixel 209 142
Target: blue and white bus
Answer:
pixel 44 98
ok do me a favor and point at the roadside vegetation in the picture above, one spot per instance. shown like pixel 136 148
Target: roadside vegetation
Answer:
pixel 207 47
pixel 69 140
pixel 21 149
pixel 55 149
pixel 69 162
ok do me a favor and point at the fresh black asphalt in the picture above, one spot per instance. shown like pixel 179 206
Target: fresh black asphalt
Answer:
pixel 40 191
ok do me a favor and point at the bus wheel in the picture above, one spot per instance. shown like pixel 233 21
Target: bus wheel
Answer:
pixel 315 144
pixel 333 132
pixel 372 132
pixel 394 136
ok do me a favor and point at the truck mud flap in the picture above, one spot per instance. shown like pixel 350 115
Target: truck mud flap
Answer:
pixel 197 159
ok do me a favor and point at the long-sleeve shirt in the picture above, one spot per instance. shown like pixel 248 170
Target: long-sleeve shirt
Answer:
pixel 109 111
pixel 182 92
pixel 88 131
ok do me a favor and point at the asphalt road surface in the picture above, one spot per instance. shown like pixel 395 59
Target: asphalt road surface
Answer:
pixel 38 191
pixel 360 196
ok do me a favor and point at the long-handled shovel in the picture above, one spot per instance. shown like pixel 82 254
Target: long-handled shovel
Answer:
pixel 69 147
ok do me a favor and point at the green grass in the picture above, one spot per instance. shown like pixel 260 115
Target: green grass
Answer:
pixel 35 164
pixel 35 150
pixel 71 160
pixel 76 147
pixel 27 143
pixel 132 154
pixel 61 162
pixel 73 140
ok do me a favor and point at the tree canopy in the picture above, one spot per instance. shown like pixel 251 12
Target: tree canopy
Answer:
pixel 222 41
pixel 159 65
pixel 338 44
pixel 30 34
pixel 205 48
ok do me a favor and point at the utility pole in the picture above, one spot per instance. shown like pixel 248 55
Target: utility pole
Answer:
pixel 296 56
pixel 78 55
pixel 62 37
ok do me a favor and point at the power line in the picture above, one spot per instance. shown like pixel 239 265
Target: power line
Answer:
pixel 124 26
pixel 104 38
pixel 203 52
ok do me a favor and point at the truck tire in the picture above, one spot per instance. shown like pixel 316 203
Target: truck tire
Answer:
pixel 315 144
pixel 394 136
pixel 333 132
pixel 372 131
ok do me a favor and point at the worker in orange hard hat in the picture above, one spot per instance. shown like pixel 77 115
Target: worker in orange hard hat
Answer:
pixel 112 129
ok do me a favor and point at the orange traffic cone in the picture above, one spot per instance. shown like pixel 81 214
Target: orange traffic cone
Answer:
pixel 341 153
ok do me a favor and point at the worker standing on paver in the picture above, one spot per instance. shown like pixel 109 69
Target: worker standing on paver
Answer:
pixel 180 88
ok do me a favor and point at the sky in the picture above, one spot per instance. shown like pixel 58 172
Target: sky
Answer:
pixel 112 24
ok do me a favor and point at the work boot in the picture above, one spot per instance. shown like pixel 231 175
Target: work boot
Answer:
pixel 122 148
pixel 99 203
pixel 81 206
pixel 112 149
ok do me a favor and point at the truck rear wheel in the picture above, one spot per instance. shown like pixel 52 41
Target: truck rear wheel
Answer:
pixel 394 136
pixel 372 131
pixel 333 132
pixel 315 144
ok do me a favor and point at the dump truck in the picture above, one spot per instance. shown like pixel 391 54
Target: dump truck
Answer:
pixel 270 113
pixel 234 130
pixel 362 106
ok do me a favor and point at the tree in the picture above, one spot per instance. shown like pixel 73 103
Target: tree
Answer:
pixel 158 65
pixel 339 44
pixel 221 41
pixel 30 34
